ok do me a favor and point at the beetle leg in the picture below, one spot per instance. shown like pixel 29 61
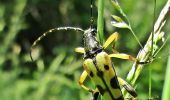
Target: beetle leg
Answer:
pixel 110 39
pixel 123 56
pixel 81 82
pixel 79 50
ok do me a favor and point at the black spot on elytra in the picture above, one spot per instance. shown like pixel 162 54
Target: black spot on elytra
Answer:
pixel 101 90
pixel 95 96
pixel 91 74
pixel 114 83
pixel 100 73
pixel 106 67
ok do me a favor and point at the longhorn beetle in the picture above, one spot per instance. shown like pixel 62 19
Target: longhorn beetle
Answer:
pixel 98 65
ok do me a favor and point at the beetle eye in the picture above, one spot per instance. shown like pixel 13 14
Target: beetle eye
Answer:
pixel 94 32
pixel 95 48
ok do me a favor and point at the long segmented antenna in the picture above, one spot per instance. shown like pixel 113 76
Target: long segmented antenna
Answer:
pixel 51 31
pixel 91 14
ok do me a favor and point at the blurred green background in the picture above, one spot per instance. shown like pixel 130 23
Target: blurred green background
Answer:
pixel 55 72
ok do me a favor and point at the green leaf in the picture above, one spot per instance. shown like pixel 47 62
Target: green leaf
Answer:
pixel 117 18
pixel 120 24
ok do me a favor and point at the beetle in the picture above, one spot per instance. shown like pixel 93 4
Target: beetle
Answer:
pixel 98 64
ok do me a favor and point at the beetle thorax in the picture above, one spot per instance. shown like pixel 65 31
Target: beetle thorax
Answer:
pixel 92 46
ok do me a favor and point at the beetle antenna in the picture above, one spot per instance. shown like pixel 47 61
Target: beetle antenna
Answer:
pixel 91 14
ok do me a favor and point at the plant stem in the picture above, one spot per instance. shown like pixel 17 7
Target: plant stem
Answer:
pixel 100 21
pixel 166 88
pixel 150 82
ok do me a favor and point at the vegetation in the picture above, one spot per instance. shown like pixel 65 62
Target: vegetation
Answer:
pixel 55 72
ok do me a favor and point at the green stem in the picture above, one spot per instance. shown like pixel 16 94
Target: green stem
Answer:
pixel 100 22
pixel 116 4
pixel 150 82
pixel 166 88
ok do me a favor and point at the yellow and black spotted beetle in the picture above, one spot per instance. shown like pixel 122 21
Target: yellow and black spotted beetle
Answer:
pixel 98 65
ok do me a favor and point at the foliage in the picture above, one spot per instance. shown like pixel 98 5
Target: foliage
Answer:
pixel 55 72
pixel 166 89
